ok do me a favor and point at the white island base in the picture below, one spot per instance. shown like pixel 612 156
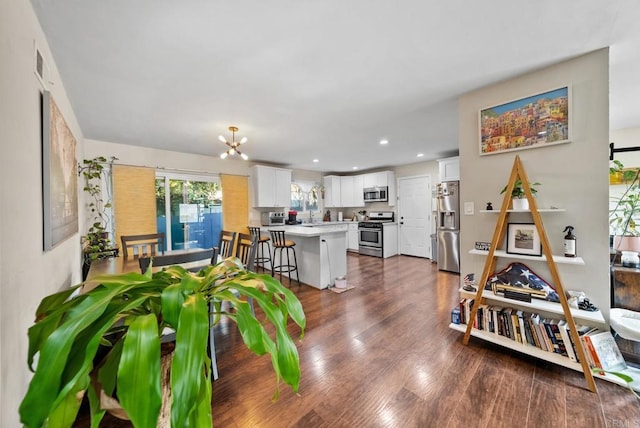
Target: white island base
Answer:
pixel 321 254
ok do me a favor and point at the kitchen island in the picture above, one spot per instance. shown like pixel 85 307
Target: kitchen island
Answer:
pixel 321 253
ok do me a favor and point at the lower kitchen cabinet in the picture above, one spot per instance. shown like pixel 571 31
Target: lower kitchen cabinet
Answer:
pixel 352 237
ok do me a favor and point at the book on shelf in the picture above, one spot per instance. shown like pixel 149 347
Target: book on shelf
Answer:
pixel 528 331
pixel 606 354
pixel 552 337
pixel 564 332
pixel 536 323
pixel 555 329
pixel 547 334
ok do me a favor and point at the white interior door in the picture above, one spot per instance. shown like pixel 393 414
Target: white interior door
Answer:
pixel 414 216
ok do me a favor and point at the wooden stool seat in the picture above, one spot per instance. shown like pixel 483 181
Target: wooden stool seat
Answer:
pixel 280 244
pixel 262 256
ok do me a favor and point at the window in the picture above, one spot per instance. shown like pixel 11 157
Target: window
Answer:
pixel 189 210
pixel 305 196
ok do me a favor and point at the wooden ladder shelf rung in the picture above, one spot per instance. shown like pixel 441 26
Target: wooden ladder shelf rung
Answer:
pixel 518 172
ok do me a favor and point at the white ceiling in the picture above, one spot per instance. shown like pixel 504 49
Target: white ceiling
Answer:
pixel 326 79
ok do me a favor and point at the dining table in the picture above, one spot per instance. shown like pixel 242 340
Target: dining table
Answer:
pixel 120 264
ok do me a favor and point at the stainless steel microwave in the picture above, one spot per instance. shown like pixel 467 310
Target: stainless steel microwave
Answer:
pixel 376 194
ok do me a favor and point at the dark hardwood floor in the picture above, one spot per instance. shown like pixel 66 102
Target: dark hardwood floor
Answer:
pixel 382 355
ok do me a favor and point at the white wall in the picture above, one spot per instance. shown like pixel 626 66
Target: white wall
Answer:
pixel 574 176
pixel 27 273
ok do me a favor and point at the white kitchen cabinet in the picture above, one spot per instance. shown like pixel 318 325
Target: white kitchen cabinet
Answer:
pixel 332 193
pixel 389 240
pixel 272 186
pixel 351 194
pixel 376 179
pixel 449 169
pixel 352 237
pixel 346 191
pixel 358 193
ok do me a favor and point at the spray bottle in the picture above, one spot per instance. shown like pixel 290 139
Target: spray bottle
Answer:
pixel 569 242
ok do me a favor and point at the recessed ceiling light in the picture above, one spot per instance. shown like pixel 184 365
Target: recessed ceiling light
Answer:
pixel 316 160
pixel 384 142
pixel 354 168
pixel 420 155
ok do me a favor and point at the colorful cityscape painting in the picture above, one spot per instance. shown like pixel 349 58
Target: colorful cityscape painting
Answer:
pixel 537 121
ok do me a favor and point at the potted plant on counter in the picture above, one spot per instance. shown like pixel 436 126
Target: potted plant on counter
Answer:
pixel 126 315
pixel 519 199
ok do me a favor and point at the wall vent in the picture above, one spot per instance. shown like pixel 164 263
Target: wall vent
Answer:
pixel 39 66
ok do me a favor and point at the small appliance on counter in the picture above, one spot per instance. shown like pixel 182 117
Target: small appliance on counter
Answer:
pixel 272 218
pixel 293 218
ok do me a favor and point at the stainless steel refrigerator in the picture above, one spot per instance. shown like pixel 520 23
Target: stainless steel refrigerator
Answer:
pixel 449 226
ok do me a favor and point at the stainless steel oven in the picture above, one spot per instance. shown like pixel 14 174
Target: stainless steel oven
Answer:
pixel 371 233
pixel 370 238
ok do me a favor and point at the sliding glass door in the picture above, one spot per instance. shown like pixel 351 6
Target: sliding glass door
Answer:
pixel 189 210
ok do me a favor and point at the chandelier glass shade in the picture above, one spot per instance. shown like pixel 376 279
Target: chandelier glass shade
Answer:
pixel 233 145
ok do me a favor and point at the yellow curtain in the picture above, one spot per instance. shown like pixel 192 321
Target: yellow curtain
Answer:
pixel 235 203
pixel 134 201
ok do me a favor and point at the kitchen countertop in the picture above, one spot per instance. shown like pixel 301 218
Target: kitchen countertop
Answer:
pixel 305 231
pixel 327 223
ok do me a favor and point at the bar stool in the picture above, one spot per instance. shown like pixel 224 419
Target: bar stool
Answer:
pixel 261 259
pixel 280 243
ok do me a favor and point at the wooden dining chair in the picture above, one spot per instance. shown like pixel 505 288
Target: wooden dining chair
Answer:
pixel 191 258
pixel 246 248
pixel 136 246
pixel 225 246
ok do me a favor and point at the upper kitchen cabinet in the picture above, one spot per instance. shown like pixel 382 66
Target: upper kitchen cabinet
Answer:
pixel 272 186
pixel 449 169
pixel 378 179
pixel 332 191
pixel 351 188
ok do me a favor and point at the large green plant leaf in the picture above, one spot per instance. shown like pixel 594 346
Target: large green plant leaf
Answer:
pixel 44 387
pixel 139 372
pixel 187 367
pixel 94 404
pixel 172 300
pixel 65 413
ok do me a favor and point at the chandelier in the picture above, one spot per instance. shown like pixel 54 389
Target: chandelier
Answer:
pixel 233 145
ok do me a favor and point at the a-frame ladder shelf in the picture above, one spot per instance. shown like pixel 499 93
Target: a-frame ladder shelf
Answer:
pixel 518 173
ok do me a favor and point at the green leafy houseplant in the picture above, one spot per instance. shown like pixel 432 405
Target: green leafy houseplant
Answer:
pixel 125 315
pixel 624 214
pixel 96 242
pixel 518 189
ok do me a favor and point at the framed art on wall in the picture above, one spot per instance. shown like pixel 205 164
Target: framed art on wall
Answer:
pixel 523 238
pixel 537 121
pixel 59 176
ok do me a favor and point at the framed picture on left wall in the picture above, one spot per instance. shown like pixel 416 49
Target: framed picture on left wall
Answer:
pixel 59 176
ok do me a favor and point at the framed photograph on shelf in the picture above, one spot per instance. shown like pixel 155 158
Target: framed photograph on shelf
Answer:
pixel 537 121
pixel 523 238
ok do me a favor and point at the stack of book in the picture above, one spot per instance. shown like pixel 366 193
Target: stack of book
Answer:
pixel 547 334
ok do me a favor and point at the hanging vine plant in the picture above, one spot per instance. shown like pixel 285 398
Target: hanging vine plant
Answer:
pixel 96 243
